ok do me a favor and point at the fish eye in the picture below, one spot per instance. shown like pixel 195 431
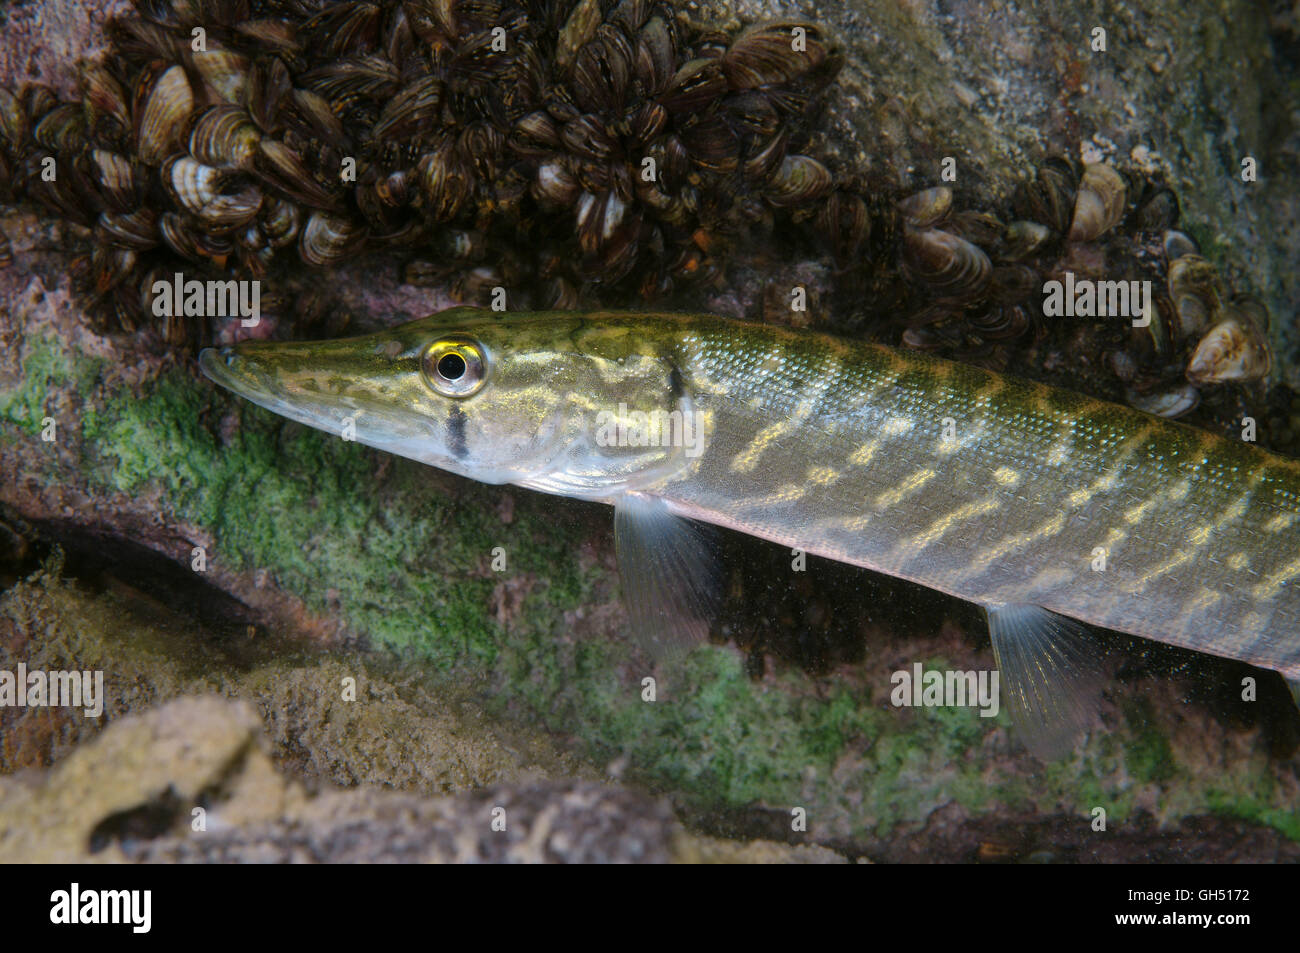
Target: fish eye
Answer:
pixel 451 366
pixel 455 366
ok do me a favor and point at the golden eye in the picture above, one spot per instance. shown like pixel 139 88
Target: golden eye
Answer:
pixel 455 366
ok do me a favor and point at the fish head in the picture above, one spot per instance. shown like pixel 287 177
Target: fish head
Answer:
pixel 550 400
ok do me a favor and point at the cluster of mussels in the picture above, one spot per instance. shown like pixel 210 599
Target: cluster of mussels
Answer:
pixel 578 153
pixel 554 148
pixel 983 283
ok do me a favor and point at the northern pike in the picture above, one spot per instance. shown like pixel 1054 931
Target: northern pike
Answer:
pixel 1046 507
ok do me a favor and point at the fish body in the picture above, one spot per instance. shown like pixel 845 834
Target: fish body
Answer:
pixel 997 490
pixel 1040 504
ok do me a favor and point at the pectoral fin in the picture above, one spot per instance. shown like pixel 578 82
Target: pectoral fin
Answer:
pixel 1052 674
pixel 669 569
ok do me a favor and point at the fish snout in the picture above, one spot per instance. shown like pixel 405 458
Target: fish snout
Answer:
pixel 215 358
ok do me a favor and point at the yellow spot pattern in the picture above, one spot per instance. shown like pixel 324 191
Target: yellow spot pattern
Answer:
pixel 1199 537
pixel 747 459
pixel 1007 476
pixel 821 476
pixel 862 456
pixel 944 524
pixel 901 492
pixel 1280 522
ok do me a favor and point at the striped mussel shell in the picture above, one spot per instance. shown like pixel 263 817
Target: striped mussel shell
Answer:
pixel 1171 402
pixel 602 70
pixel 185 238
pixel 798 180
pixel 270 34
pixel 697 84
pixel 927 208
pixel 1176 244
pixel 1000 322
pixel 121 181
pixel 280 221
pixel 190 183
pixel 1197 293
pixel 712 144
pixel 535 134
pixel 948 265
pixel 216 198
pixel 555 183
pixel 1023 239
pixel 269 87
pixel 446 180
pixel 655 61
pixel 224 74
pixel 328 239
pixel 225 137
pixel 1049 198
pixel 843 222
pixel 600 220
pixel 1158 209
pixel 587 137
pixel 1235 349
pixel 14 124
pixel 106 106
pixel 137 229
pixel 283 169
pixel 61 129
pixel 1099 203
pixel 111 265
pixel 768 54
pixel 168 101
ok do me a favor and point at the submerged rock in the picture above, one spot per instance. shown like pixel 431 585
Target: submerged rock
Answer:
pixel 191 781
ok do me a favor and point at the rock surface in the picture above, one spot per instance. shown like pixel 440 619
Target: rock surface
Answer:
pixel 191 781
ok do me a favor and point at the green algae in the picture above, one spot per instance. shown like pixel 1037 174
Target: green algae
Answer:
pixel 1149 755
pixel 47 370
pixel 1250 807
pixel 404 560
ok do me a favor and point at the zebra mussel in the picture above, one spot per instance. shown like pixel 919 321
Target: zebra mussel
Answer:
pixel 978 286
pixel 593 146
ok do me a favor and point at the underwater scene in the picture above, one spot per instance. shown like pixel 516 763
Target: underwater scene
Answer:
pixel 642 431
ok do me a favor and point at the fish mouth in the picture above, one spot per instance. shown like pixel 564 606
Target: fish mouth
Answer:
pixel 223 366
pixel 261 378
pixel 254 382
